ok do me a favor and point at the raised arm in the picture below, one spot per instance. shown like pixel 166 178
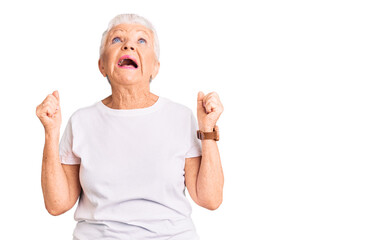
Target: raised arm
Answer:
pixel 54 180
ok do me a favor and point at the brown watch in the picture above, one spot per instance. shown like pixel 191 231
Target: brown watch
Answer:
pixel 209 135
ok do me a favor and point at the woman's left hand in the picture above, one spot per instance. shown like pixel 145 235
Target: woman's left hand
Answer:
pixel 209 109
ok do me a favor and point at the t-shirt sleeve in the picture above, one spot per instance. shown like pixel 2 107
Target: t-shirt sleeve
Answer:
pixel 67 155
pixel 195 149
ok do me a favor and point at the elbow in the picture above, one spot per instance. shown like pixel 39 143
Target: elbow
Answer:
pixel 212 203
pixel 214 206
pixel 53 212
pixel 56 212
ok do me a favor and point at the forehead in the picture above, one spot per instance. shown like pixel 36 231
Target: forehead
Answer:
pixel 130 28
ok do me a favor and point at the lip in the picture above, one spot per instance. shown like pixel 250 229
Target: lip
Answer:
pixel 127 67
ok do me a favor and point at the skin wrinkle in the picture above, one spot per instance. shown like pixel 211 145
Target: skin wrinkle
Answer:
pixel 130 87
pixel 203 175
pixel 110 37
pixel 141 60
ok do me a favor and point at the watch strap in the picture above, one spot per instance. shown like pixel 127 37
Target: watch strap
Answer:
pixel 209 135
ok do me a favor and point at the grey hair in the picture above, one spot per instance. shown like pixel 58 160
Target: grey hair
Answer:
pixel 132 19
pixel 135 19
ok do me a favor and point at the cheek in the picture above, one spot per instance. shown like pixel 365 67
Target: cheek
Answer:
pixel 149 59
pixel 110 54
pixel 110 61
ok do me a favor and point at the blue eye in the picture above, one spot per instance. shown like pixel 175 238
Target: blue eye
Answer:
pixel 114 40
pixel 143 40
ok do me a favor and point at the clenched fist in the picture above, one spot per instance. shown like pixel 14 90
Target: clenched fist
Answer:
pixel 209 109
pixel 49 112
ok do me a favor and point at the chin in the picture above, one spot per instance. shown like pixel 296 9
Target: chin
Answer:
pixel 129 79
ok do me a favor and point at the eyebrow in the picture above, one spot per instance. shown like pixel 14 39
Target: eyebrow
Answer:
pixel 124 31
pixel 112 33
pixel 117 30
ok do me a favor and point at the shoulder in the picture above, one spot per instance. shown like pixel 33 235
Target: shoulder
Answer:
pixel 176 106
pixel 84 112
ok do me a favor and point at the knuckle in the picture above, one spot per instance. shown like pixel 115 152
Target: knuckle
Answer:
pixel 51 98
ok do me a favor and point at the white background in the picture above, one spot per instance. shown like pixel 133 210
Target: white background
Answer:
pixel 305 85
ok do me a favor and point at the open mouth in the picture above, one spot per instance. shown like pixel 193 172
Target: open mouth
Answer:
pixel 127 61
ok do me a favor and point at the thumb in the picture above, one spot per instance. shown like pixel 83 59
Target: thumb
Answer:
pixel 200 98
pixel 57 95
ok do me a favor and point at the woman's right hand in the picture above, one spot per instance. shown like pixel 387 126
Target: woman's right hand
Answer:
pixel 49 112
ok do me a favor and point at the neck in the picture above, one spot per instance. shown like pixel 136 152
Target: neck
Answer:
pixel 130 97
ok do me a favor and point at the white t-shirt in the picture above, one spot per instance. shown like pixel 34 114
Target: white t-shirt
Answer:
pixel 132 170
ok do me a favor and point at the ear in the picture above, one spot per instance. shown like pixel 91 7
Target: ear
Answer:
pixel 101 68
pixel 156 69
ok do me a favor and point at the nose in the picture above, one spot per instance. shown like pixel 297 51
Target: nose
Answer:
pixel 127 46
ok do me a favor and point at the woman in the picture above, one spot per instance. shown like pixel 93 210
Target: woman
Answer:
pixel 135 151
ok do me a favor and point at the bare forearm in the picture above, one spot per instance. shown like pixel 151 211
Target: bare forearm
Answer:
pixel 53 179
pixel 210 178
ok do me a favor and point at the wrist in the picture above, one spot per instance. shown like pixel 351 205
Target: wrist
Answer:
pixel 52 134
pixel 206 129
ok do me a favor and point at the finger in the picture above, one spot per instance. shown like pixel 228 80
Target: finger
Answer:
pixel 38 110
pixel 46 99
pixel 47 104
pixel 56 95
pixel 42 109
pixel 205 101
pixel 49 109
pixel 213 94
pixel 53 106
pixel 208 106
pixel 207 97
pixel 45 111
pixel 53 99
pixel 217 102
pixel 44 104
pixel 212 100
pixel 200 98
pixel 50 113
